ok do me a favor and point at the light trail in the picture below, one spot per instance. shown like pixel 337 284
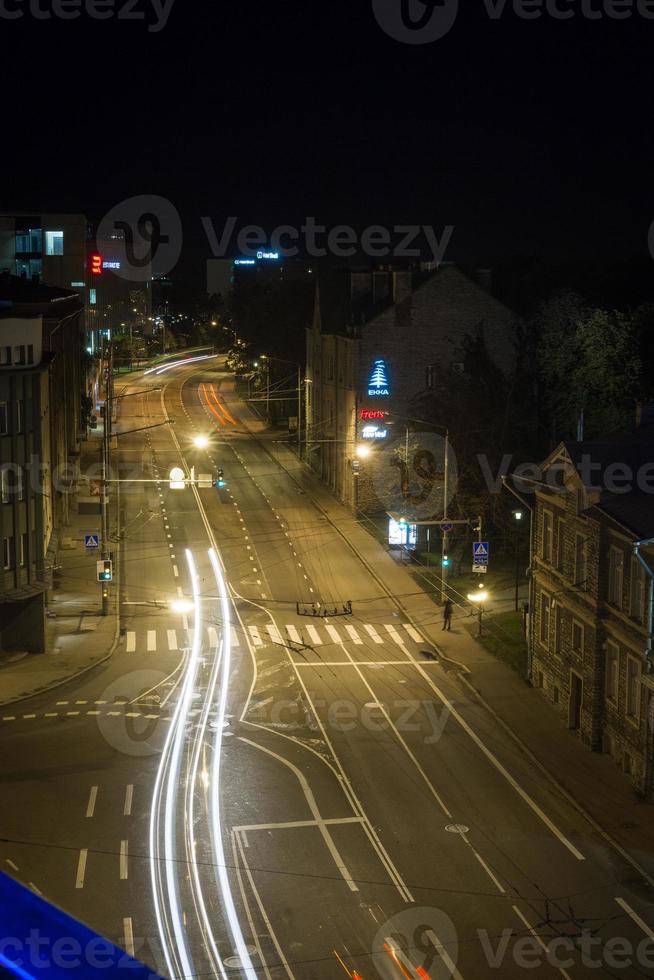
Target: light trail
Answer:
pixel 161 368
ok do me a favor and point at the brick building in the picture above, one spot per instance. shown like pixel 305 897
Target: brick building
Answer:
pixel 392 325
pixel 590 596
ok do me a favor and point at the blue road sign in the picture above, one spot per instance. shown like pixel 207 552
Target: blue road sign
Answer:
pixel 446 526
pixel 480 552
pixel 91 541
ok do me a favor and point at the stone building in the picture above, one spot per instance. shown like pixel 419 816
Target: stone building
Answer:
pixel 591 628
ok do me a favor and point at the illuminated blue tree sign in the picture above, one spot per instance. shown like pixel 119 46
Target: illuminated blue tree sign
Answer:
pixel 378 382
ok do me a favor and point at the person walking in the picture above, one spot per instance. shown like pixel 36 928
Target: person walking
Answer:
pixel 448 609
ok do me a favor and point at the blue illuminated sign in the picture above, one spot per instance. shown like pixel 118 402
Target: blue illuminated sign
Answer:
pixel 378 382
pixel 244 262
pixel 267 255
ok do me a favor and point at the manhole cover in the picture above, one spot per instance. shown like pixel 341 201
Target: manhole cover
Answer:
pixel 236 960
pixel 457 828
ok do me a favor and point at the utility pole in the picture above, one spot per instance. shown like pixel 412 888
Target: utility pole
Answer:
pixel 445 533
pixel 299 411
pixel 106 442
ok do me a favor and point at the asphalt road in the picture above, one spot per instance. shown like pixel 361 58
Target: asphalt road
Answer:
pixel 261 784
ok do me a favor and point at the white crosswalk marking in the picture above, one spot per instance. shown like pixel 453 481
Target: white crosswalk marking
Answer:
pixel 172 639
pixel 213 636
pixel 293 634
pixel 273 633
pixel 152 640
pixel 354 635
pixel 256 639
pixel 394 634
pixel 333 632
pixel 315 635
pixel 373 633
pixel 235 639
pixel 131 641
pixel 413 633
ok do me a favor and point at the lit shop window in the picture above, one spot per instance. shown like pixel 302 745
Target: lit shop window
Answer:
pixel 54 243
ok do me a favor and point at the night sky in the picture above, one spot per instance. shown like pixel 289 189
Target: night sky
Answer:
pixel 529 136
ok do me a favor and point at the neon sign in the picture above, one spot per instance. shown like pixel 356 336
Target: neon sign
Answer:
pixel 244 262
pixel 96 265
pixel 111 265
pixel 267 255
pixel 378 382
pixel 373 432
pixel 370 414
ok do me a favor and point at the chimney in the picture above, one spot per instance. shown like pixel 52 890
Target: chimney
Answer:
pixel 402 285
pixel 485 279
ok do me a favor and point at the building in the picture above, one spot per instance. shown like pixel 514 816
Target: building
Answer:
pixel 224 275
pixel 591 597
pixel 116 301
pixel 375 338
pixel 41 338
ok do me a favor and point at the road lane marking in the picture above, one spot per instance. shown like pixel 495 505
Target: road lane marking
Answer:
pixel 129 796
pixel 81 868
pixel 293 634
pixel 274 634
pixel 14 867
pixel 175 571
pixel 354 635
pixel 124 849
pixel 540 942
pixel 93 795
pixel 131 642
pixel 213 636
pixel 413 633
pixel 315 635
pixel 373 633
pixel 333 632
pixel 636 918
pixel 35 889
pixel 128 936
pixel 172 639
pixel 235 640
pixel 395 636
pixel 151 641
pixel 256 639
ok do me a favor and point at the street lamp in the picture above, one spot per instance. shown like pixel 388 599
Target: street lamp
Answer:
pixel 363 451
pixel 201 441
pixel 518 515
pixel 181 606
pixel 478 597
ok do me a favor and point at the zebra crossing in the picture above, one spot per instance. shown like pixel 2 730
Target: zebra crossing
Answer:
pixel 302 635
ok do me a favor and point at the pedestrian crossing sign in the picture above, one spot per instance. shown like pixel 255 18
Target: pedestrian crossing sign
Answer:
pixel 480 551
pixel 91 541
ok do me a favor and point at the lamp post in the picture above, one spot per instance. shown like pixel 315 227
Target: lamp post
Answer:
pixel 478 598
pixel 518 515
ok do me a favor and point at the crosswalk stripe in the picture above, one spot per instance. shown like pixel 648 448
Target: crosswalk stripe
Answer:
pixel 256 639
pixel 131 641
pixel 394 634
pixel 373 633
pixel 413 633
pixel 152 640
pixel 333 632
pixel 235 639
pixel 273 633
pixel 315 635
pixel 172 639
pixel 293 634
pixel 354 635
pixel 213 637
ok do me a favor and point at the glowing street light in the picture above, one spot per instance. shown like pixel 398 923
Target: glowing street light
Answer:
pixel 478 597
pixel 363 451
pixel 182 606
pixel 201 441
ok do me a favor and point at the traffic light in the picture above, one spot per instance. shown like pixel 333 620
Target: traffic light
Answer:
pixel 445 561
pixel 220 482
pixel 105 570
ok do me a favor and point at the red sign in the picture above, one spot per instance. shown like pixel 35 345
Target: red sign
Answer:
pixel 96 265
pixel 369 413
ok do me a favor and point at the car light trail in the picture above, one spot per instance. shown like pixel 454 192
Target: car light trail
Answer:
pixel 216 827
pixel 161 368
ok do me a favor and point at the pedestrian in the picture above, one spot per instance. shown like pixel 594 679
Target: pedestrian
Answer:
pixel 447 614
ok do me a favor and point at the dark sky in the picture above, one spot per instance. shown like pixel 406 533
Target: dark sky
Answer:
pixel 529 136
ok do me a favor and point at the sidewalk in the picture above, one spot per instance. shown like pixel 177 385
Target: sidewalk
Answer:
pixel 592 781
pixel 78 637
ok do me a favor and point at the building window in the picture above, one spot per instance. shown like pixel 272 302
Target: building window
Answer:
pixel 93 296
pixel 5 356
pixel 577 637
pixel 30 353
pixel 23 548
pixel 4 486
pixel 7 548
pixel 612 671
pixel 547 535
pixel 20 489
pixel 633 687
pixel 581 560
pixel 545 605
pixel 19 354
pixel 4 419
pixel 54 243
pixel 19 415
pixel 560 544
pixel 637 591
pixel 558 628
pixel 615 577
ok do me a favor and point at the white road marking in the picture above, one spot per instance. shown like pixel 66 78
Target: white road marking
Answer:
pixel 14 867
pixel 445 956
pixel 175 571
pixel 649 932
pixel 172 639
pixel 373 633
pixel 274 634
pixel 256 639
pixel 413 633
pixel 35 889
pixel 93 796
pixel 333 632
pixel 354 635
pixel 124 849
pixel 293 634
pixel 128 936
pixel 152 641
pixel 395 636
pixel 213 636
pixel 540 942
pixel 81 868
pixel 235 639
pixel 131 642
pixel 315 635
pixel 129 796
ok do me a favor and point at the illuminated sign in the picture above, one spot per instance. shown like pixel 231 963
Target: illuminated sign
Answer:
pixel 370 414
pixel 373 432
pixel 401 533
pixel 378 382
pixel 244 262
pixel 111 265
pixel 267 255
pixel 96 265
